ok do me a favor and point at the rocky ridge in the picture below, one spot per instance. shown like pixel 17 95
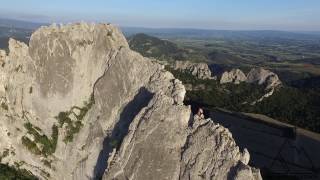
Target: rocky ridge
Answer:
pixel 263 77
pixel 199 70
pixel 235 76
pixel 77 104
pixel 258 76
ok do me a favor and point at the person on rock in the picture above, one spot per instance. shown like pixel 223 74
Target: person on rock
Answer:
pixel 200 113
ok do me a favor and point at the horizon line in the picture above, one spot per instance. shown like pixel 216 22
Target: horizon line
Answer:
pixel 150 27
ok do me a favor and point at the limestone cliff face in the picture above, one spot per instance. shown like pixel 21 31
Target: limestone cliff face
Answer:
pixel 199 70
pixel 77 103
pixel 266 78
pixel 154 150
pixel 263 77
pixel 235 76
pixel 259 76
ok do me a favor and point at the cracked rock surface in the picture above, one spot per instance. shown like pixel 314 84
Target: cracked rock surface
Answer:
pixel 77 103
pixel 235 76
pixel 264 77
pixel 199 70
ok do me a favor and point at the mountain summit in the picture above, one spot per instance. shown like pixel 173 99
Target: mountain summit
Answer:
pixel 77 103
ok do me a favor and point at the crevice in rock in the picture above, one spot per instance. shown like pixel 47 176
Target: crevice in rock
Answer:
pixel 109 64
pixel 120 130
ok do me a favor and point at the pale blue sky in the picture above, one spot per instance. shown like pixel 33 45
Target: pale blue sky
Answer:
pixel 212 14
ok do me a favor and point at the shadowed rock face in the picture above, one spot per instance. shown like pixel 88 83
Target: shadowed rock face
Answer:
pixel 77 103
pixel 120 130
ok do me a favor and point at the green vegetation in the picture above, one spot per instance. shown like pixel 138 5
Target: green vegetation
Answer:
pixel 162 49
pixel 48 145
pixel 47 163
pixel 4 154
pixel 153 47
pixel 4 106
pixel 299 107
pixel 73 126
pixel 214 94
pixel 114 143
pixel 30 90
pixel 254 50
pixel 31 146
pixel 292 58
pixel 12 173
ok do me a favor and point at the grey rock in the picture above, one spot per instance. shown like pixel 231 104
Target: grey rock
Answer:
pixel 135 106
pixel 244 172
pixel 211 153
pixel 258 76
pixel 263 77
pixel 235 76
pixel 199 70
pixel 204 151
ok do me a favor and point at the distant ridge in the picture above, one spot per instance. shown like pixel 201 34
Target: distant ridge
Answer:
pixel 186 32
pixel 230 34
pixel 19 24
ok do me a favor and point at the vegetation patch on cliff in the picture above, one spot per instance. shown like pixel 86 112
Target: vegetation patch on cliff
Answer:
pixel 41 144
pixel 73 125
pixel 9 173
pixel 4 106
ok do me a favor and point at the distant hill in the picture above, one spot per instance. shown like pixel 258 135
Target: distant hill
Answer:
pixel 19 24
pixel 17 29
pixel 154 47
pixel 12 32
pixel 224 34
pixel 187 32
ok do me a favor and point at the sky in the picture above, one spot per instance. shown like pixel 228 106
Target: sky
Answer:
pixel 302 15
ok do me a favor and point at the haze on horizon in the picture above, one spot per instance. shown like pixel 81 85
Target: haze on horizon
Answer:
pixel 293 15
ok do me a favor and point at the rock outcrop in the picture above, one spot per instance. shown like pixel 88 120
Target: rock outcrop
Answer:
pixel 204 150
pixel 266 78
pixel 235 76
pixel 258 76
pixel 263 77
pixel 77 103
pixel 199 70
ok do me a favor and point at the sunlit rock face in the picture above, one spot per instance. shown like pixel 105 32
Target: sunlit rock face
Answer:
pixel 266 78
pixel 77 103
pixel 204 150
pixel 235 76
pixel 199 70
pixel 263 77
